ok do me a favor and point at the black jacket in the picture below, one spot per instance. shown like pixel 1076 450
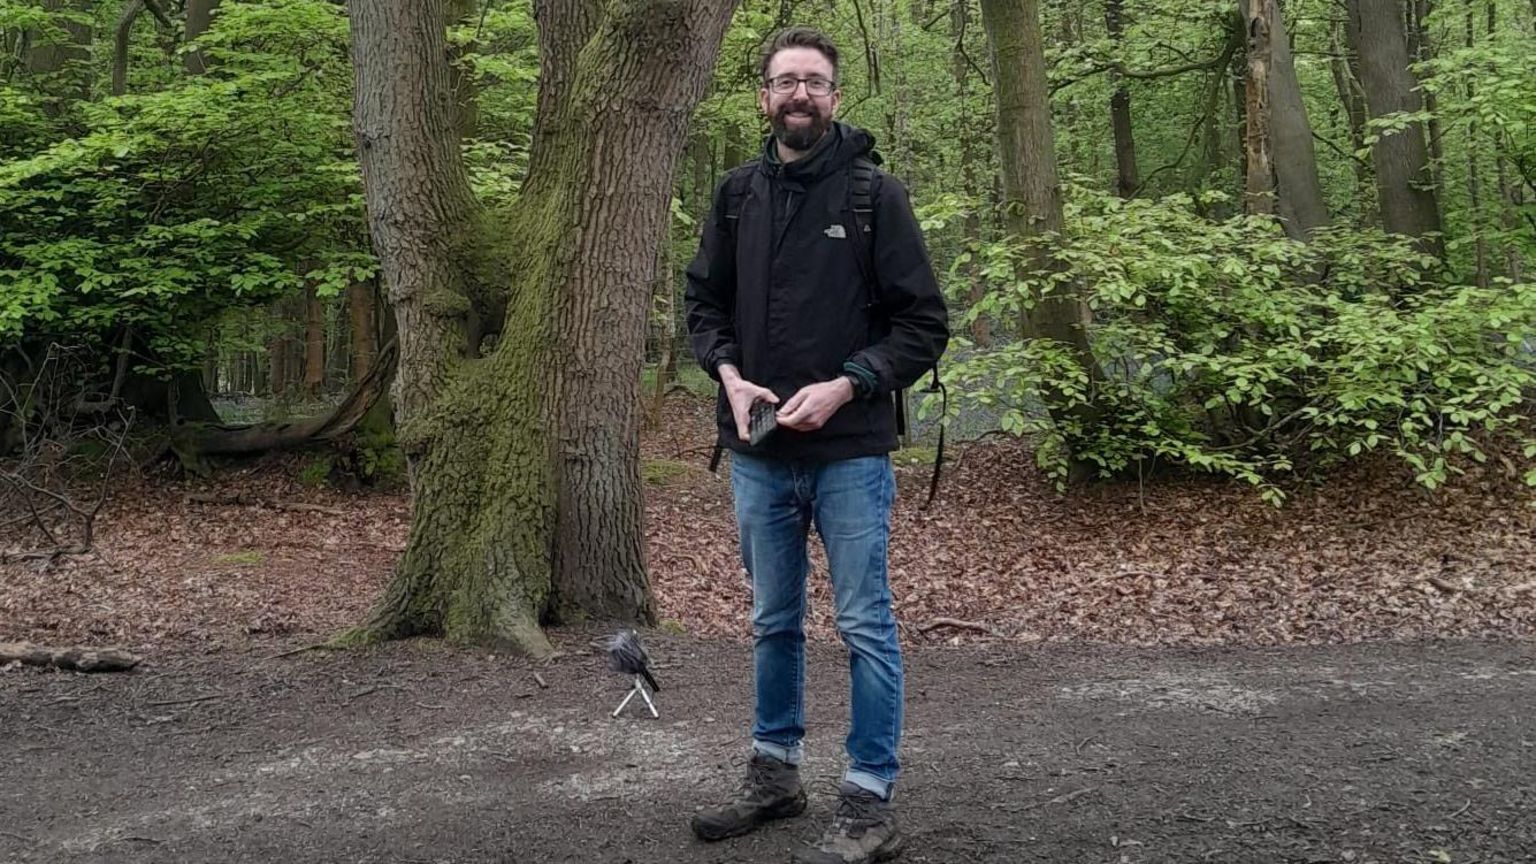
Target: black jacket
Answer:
pixel 786 303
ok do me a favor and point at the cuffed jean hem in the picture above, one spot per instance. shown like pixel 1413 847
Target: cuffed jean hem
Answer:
pixel 788 755
pixel 867 781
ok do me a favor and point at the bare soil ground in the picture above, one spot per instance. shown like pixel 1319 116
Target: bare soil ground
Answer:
pixel 1179 673
pixel 417 753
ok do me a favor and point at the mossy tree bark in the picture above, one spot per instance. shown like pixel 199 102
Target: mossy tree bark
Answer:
pixel 525 465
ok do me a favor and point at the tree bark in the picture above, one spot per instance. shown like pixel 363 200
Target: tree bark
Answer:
pixel 199 19
pixel 1510 196
pixel 1474 172
pixel 1292 156
pixel 1127 180
pixel 1404 184
pixel 49 59
pixel 1259 182
pixel 1345 67
pixel 363 329
pixel 314 342
pixel 960 66
pixel 1026 147
pixel 525 469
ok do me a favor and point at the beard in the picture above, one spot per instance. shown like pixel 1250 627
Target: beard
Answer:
pixel 800 138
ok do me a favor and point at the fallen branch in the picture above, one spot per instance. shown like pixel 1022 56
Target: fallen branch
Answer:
pixel 959 625
pixel 1443 585
pixel 79 659
pixel 1059 799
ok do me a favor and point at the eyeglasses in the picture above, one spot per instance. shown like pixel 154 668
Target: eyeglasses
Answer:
pixel 814 85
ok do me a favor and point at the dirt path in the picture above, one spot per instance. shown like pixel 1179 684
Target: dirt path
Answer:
pixel 416 753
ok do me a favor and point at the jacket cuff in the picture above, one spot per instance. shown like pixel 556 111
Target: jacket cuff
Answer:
pixel 864 381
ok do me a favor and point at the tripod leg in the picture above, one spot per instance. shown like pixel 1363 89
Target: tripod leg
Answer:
pixel 647 697
pixel 625 702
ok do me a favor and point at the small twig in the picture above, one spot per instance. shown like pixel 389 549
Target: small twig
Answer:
pixel 1059 799
pixel 187 701
pixel 1464 808
pixel 134 838
pixel 15 836
pixel 1081 744
pixel 374 689
pixel 543 685
pixel 430 707
pixel 959 625
pixel 300 650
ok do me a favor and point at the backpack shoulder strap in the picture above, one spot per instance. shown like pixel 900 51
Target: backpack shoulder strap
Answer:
pixel 738 184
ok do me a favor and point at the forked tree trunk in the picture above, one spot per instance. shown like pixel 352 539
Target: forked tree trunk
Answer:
pixel 360 317
pixel 526 487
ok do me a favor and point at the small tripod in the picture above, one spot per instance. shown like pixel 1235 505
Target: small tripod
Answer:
pixel 638 688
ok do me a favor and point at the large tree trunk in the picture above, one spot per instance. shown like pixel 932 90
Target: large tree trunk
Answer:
pixel 526 488
pixel 1403 182
pixel 1291 154
pixel 1026 147
pixel 1120 108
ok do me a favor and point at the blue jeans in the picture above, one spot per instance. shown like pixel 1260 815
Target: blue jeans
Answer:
pixel 849 501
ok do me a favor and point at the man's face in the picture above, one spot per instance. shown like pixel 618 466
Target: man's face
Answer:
pixel 799 116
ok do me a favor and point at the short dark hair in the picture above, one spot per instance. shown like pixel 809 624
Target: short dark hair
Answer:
pixel 799 37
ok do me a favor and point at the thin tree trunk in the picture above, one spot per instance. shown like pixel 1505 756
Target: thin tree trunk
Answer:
pixel 1259 182
pixel 1420 49
pixel 277 353
pixel 360 317
pixel 1344 65
pixel 314 342
pixel 1403 180
pixel 526 488
pixel 1510 196
pixel 1474 171
pixel 1126 178
pixel 959 17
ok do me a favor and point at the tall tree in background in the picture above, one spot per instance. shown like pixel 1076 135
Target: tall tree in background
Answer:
pixel 1126 178
pixel 1403 180
pixel 1031 187
pixel 526 487
pixel 1288 152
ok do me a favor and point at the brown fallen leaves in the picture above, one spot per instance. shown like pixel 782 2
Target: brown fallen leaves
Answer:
pixel 1192 561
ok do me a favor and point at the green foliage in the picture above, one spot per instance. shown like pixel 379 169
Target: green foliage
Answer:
pixel 1226 347
pixel 160 209
pixel 317 471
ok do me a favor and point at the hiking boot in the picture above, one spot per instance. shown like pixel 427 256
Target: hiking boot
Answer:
pixel 863 830
pixel 771 791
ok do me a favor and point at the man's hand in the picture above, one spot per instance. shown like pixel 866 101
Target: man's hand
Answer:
pixel 814 404
pixel 742 393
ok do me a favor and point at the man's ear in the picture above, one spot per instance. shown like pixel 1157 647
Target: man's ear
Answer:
pixel 762 101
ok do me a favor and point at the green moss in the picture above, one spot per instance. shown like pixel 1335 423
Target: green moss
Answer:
pixel 916 455
pixel 660 472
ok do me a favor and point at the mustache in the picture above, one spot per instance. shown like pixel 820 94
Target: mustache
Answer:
pixel 805 106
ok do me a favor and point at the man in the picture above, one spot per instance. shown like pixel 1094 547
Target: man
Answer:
pixel 780 311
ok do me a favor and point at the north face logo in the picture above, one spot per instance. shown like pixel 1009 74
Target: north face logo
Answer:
pixel 836 232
